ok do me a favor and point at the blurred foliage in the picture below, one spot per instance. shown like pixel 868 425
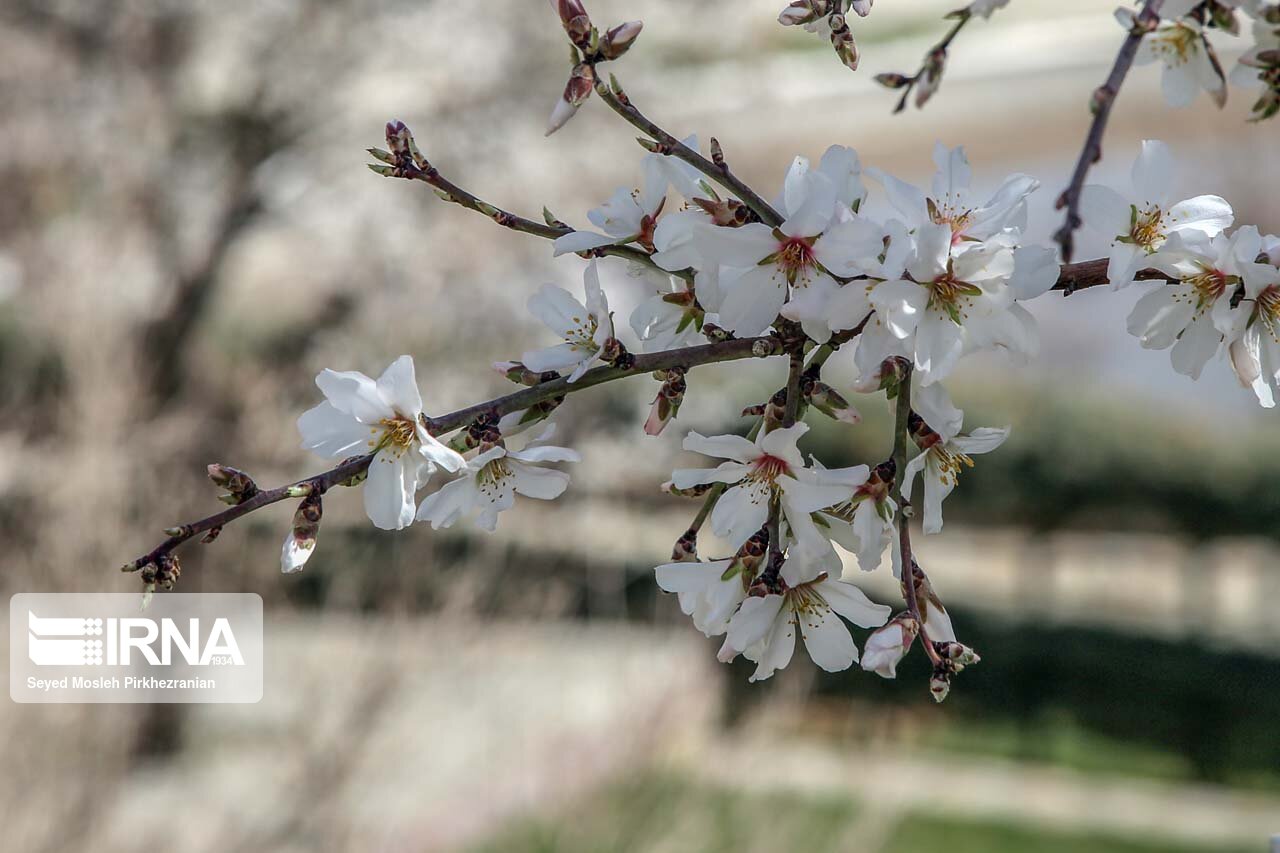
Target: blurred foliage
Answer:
pixel 670 813
pixel 1096 700
pixel 918 834
pixel 1077 462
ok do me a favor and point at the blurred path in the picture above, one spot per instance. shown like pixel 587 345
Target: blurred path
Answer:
pixel 892 784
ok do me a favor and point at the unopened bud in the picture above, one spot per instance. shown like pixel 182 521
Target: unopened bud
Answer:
pixel 239 485
pixel 940 685
pixel 574 19
pixel 893 80
pixel 831 403
pixel 804 12
pixel 728 213
pixel 300 542
pixel 888 645
pixel 667 404
pixel 862 7
pixel 686 548
pixel 697 491
pixel 888 375
pixel 576 91
pixel 959 654
pixel 618 40
pixel 931 77
pixel 842 40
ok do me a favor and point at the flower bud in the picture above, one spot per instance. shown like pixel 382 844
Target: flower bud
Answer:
pixel 862 7
pixel 239 485
pixel 691 492
pixel 842 40
pixel 686 548
pixel 667 404
pixel 931 76
pixel 959 654
pixel 804 12
pixel 940 684
pixel 888 645
pixel 581 81
pixel 728 213
pixel 574 19
pixel 893 80
pixel 888 375
pixel 300 542
pixel 618 40
pixel 830 402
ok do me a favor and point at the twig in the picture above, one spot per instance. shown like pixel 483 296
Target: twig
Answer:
pixel 1103 99
pixel 686 357
pixel 613 95
pixel 935 56
pixel 793 388
pixel 901 434
pixel 451 192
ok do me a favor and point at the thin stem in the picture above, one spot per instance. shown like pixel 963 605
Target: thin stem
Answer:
pixel 1103 99
pixel 793 388
pixel 933 52
pixel 451 192
pixel 686 357
pixel 668 144
pixel 901 435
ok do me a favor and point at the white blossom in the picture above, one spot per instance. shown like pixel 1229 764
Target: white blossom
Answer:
pixel 1139 224
pixel 585 328
pixel 1193 315
pixel 669 319
pixel 953 303
pixel 1255 355
pixel 764 628
pixel 709 592
pixel 361 415
pixel 940 464
pixel 758 472
pixel 888 645
pixel 1189 66
pixel 490 482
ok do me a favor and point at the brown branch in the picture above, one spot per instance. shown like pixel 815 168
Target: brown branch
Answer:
pixel 686 357
pixel 618 101
pixel 936 56
pixel 1103 99
pixel 1073 277
pixel 451 192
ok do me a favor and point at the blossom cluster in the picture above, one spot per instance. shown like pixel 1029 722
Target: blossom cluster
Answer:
pixel 1218 293
pixel 940 273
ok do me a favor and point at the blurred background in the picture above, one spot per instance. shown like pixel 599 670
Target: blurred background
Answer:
pixel 188 235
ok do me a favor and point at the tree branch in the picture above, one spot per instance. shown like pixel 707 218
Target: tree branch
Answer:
pixel 934 58
pixel 1103 99
pixel 686 357
pixel 618 101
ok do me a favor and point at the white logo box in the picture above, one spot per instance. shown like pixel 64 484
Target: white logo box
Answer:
pixel 103 647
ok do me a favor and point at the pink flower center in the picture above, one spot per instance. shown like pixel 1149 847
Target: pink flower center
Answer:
pixel 795 258
pixel 768 468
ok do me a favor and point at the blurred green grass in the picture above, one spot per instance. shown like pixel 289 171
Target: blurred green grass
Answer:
pixel 672 814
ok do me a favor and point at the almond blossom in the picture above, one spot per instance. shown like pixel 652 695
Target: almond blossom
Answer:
pixel 1189 62
pixel 490 482
pixel 709 592
pixel 951 200
pixel 1138 224
pixel 764 628
pixel 1255 355
pixel 758 472
pixel 1193 315
pixel 669 319
pixel 585 328
pixel 952 303
pixel 939 463
pixel 759 265
pixel 632 215
pixel 383 417
pixel 888 645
